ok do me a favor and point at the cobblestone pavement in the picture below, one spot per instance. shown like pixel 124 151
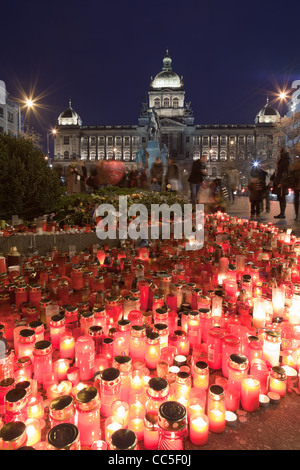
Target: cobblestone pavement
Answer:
pixel 241 208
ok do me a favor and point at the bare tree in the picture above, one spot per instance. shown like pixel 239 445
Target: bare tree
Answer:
pixel 287 133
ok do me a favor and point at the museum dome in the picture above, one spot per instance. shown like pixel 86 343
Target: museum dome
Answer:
pixel 69 117
pixel 267 114
pixel 167 78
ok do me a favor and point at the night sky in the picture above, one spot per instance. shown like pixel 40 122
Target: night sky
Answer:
pixel 102 54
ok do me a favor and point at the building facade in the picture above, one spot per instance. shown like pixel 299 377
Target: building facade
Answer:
pixel 176 131
pixel 10 115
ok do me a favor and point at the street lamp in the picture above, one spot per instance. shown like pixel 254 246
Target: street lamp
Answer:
pixel 51 132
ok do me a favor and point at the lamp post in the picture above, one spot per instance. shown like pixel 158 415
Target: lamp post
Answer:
pixel 50 132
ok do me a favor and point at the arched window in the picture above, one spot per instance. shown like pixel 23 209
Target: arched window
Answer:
pixel 157 103
pixel 175 103
pixel 166 103
pixel 66 155
pixel 223 155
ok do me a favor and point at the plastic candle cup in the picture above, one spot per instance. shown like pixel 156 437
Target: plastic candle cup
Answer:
pixel 278 300
pixel 260 371
pixel 250 391
pixel 110 389
pixel 214 348
pixel 137 345
pixel 230 345
pixel 26 341
pixel 199 426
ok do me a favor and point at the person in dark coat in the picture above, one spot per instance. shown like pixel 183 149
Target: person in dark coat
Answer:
pixel 278 178
pixel 256 191
pixel 156 174
pixel 197 176
pixel 260 173
pixel 295 171
pixel 172 176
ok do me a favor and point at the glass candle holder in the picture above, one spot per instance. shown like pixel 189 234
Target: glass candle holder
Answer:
pixel 61 367
pixel 35 294
pixel 6 360
pixel 278 380
pixel 57 328
pixel 110 389
pixel 6 385
pixel 42 360
pixel 196 405
pixel 259 312
pixel 62 410
pixel 271 347
pixel 214 347
pixel 70 314
pixel 137 345
pixel 193 327
pixel 151 430
pixel 230 345
pixel 39 329
pixel 205 323
pixel 85 357
pixel 237 370
pixel 67 346
pixel 278 300
pixel 152 350
pixel 26 341
pixel 250 391
pixel 182 387
pixel 35 407
pixel 216 409
pixel 198 429
pixel 120 409
pixel 162 330
pixel 112 424
pixel 172 426
pixel 200 375
pixel 88 409
pixel 99 445
pixel 87 319
pixel 33 431
pixel 124 365
pixel 260 371
pixel 157 392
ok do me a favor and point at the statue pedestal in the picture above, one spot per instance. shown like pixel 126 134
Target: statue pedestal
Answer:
pixel 153 152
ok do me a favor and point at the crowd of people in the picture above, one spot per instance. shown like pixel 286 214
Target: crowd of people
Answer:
pixel 215 193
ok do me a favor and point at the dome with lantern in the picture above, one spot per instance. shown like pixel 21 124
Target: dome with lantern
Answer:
pixel 167 78
pixel 69 117
pixel 267 115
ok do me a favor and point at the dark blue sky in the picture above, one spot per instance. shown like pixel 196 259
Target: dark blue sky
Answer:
pixel 102 54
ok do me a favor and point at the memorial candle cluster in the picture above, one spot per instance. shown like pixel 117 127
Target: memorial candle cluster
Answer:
pixel 151 347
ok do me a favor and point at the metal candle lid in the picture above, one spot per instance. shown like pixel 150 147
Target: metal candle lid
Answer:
pixel 64 436
pixel 123 439
pixel 110 374
pixel 124 325
pixel 123 363
pixel 201 367
pixel 138 331
pixel 158 387
pixel 15 399
pixel 12 435
pixel 87 399
pixel 216 392
pixel 62 407
pixel 272 336
pixel 26 336
pixel 153 338
pixel 172 416
pixel 238 361
pixel 95 331
pixel 278 373
pixel 42 348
